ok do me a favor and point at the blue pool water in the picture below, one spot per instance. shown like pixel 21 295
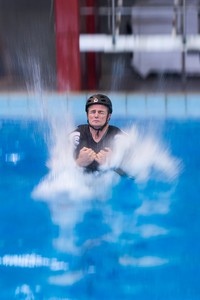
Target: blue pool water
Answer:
pixel 141 242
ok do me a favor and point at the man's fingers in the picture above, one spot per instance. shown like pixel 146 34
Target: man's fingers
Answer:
pixel 86 156
pixel 85 149
pixel 88 150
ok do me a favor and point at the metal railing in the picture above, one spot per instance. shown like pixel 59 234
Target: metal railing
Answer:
pixel 114 41
pixel 115 11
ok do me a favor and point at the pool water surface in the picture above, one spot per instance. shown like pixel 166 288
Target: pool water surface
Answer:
pixel 141 242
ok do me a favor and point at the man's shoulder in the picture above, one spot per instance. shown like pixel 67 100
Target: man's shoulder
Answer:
pixel 114 129
pixel 78 133
pixel 82 127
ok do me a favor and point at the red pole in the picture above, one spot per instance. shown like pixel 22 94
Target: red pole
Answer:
pixel 67 45
pixel 91 56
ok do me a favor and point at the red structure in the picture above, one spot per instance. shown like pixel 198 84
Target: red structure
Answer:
pixel 67 45
pixel 91 56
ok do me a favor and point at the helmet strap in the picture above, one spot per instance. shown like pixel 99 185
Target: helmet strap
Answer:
pixel 98 129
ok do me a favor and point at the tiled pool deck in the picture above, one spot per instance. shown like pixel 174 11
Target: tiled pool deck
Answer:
pixel 24 105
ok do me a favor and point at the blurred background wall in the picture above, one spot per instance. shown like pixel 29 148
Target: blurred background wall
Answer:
pixel 29 48
pixel 27 44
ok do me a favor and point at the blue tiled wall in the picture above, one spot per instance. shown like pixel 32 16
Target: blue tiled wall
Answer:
pixel 22 105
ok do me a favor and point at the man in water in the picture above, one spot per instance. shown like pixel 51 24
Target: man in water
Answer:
pixel 94 141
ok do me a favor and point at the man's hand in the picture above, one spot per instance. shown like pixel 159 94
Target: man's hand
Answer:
pixel 86 157
pixel 103 156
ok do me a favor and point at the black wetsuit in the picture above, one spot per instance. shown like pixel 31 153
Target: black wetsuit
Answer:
pixel 83 138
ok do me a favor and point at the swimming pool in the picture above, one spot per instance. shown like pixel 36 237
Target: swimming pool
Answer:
pixel 141 242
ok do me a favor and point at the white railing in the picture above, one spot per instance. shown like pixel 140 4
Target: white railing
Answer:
pixel 127 43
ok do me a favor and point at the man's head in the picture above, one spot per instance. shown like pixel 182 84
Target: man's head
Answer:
pixel 99 110
pixel 99 99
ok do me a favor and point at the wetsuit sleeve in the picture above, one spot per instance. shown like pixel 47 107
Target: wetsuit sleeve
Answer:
pixel 74 138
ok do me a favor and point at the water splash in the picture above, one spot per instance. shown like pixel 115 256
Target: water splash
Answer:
pixel 143 156
pixel 118 73
pixel 72 195
pixel 64 177
pixel 145 261
pixel 32 260
pixel 140 157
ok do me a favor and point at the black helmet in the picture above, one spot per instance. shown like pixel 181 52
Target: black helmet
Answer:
pixel 99 99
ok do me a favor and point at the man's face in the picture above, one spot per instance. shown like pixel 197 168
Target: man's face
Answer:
pixel 97 115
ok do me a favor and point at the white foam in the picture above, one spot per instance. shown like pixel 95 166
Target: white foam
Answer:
pixel 24 292
pixel 154 207
pixel 32 261
pixel 140 155
pixel 66 279
pixel 145 261
pixel 151 230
